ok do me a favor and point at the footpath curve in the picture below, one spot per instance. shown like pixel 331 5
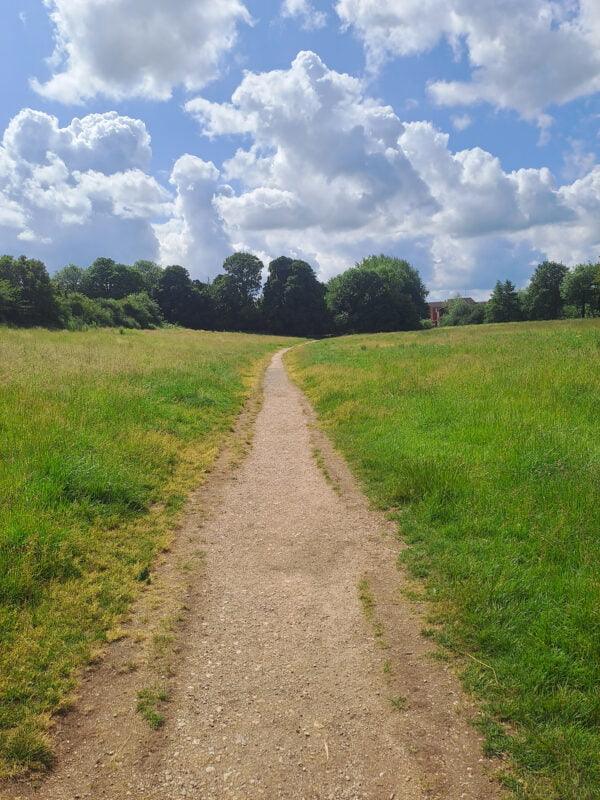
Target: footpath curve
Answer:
pixel 280 687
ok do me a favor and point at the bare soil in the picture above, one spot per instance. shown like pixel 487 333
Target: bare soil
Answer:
pixel 279 685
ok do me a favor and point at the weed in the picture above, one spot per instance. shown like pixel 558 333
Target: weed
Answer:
pixel 149 701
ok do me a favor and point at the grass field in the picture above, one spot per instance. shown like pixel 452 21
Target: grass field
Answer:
pixel 485 441
pixel 102 436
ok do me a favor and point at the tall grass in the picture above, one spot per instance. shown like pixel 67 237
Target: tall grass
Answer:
pixel 101 437
pixel 486 441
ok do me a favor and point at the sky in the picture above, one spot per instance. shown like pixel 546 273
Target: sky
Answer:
pixel 460 135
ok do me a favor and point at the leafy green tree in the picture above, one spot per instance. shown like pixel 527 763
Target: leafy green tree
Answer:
pixel 461 312
pixel 183 301
pixel 68 279
pixel 141 308
pixel 293 300
pixel 245 271
pixel 580 288
pixel 151 274
pixel 8 295
pixel 504 304
pixel 104 278
pixel 358 301
pixel 173 293
pixel 543 298
pixel 28 298
pixel 235 291
pixel 78 311
pixel 382 293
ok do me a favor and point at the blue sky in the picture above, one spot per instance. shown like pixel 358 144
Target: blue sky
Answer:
pixel 461 135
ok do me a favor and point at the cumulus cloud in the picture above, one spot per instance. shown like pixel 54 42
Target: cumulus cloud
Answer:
pixel 77 192
pixel 523 55
pixel 123 48
pixel 331 175
pixel 303 11
pixel 194 236
pixel 324 158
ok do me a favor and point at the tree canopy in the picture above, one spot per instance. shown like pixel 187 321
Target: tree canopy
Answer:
pixel 293 299
pixel 543 298
pixel 381 293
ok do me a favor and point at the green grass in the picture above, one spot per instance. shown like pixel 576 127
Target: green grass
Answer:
pixel 486 443
pixel 102 436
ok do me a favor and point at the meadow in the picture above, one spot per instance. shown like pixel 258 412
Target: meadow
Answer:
pixel 484 443
pixel 103 434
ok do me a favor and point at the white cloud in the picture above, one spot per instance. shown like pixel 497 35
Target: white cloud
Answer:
pixel 194 236
pixel 331 175
pixel 460 122
pixel 123 48
pixel 77 192
pixel 525 55
pixel 302 10
pixel 324 159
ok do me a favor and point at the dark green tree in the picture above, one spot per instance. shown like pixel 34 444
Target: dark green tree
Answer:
pixel 183 301
pixel 245 271
pixel 151 274
pixel 293 300
pixel 382 293
pixel 28 298
pixel 358 302
pixel 580 289
pixel 143 310
pixel 235 291
pixel 173 293
pixel 8 295
pixel 104 278
pixel 543 298
pixel 504 304
pixel 461 312
pixel 68 279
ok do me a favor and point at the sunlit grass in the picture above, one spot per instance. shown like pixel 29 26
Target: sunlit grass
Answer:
pixel 487 443
pixel 102 435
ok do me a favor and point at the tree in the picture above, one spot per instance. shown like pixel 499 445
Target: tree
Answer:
pixel 27 293
pixel 141 308
pixel 183 301
pixel 8 296
pixel 504 304
pixel 151 274
pixel 543 298
pixel 68 279
pixel 461 312
pixel 381 293
pixel 294 300
pixel 358 301
pixel 580 288
pixel 173 293
pixel 245 271
pixel 104 278
pixel 234 293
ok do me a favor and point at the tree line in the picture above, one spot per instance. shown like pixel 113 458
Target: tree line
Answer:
pixel 554 292
pixel 381 293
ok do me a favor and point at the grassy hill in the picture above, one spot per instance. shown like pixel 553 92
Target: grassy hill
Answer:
pixel 102 436
pixel 485 442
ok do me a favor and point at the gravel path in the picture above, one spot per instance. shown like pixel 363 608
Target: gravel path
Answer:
pixel 281 687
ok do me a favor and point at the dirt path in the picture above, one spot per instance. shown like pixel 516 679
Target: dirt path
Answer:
pixel 282 688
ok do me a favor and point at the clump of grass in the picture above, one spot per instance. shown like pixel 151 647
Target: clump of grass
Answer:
pixel 149 703
pixel 488 439
pixel 102 437
pixel 399 702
